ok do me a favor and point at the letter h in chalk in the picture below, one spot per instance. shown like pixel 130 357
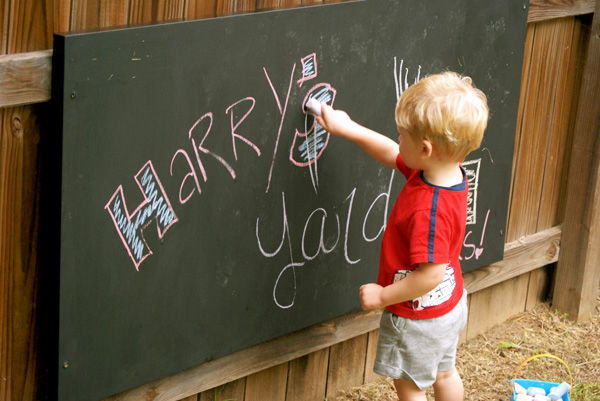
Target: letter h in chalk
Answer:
pixel 156 206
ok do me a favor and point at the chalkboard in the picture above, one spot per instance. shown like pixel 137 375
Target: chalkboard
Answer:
pixel 202 212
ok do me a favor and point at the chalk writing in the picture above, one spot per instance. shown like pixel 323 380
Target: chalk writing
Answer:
pixel 235 124
pixel 155 207
pixel 201 149
pixel 385 196
pixel 322 243
pixel 309 68
pixel 305 149
pixel 476 251
pixel 401 86
pixel 334 230
pixel 282 112
pixel 313 140
pixel 472 169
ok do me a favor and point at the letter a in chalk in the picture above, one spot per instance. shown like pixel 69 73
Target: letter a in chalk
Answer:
pixel 156 206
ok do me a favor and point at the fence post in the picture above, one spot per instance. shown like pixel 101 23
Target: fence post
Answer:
pixel 578 272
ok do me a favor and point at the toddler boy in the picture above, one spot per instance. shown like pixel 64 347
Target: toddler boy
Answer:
pixel 440 120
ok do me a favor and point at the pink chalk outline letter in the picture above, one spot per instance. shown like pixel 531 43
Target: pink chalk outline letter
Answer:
pixel 313 142
pixel 156 206
pixel 309 68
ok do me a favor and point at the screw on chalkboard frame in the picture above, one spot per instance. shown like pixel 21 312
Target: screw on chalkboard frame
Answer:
pixel 73 95
pixel 66 365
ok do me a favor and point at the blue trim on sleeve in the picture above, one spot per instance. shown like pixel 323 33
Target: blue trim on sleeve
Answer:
pixel 432 218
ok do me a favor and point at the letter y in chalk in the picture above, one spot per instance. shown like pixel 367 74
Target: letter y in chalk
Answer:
pixel 156 206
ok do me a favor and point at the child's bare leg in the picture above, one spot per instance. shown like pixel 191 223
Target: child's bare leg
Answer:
pixel 408 391
pixel 448 386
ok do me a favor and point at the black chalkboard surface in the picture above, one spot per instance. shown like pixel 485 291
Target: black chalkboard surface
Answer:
pixel 203 212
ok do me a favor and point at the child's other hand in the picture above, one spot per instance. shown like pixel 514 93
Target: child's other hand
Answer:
pixel 370 296
pixel 336 122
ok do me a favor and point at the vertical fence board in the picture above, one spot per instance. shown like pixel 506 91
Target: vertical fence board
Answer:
pixel 89 14
pixel 529 166
pixel 234 390
pixel 270 384
pixel 371 376
pixel 28 25
pixel 578 274
pixel 225 7
pixel 85 14
pixel 112 13
pixel 307 378
pixel 5 255
pixel 3 26
pixel 169 10
pixel 141 11
pixel 19 206
pixel 290 3
pixel 525 78
pixel 346 365
pixel 574 76
pixel 464 334
pixel 62 15
pixel 538 107
pixel 555 154
pixel 268 4
pixel 496 304
pixel 201 9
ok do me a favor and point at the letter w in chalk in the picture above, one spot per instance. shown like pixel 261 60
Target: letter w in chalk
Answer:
pixel 156 206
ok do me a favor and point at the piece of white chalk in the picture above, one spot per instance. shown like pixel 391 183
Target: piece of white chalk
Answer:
pixel 557 393
pixel 314 106
pixel 532 391
pixel 524 397
pixel 520 389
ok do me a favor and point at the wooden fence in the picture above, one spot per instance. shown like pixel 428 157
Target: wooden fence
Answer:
pixel 554 207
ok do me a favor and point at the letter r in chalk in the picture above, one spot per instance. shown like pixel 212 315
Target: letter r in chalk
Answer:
pixel 156 206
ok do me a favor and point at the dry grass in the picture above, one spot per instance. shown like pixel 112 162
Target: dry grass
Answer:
pixel 489 361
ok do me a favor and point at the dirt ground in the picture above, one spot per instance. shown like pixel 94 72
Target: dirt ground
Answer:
pixel 488 362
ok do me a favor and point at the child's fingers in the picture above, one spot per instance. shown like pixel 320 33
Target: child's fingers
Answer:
pixel 326 111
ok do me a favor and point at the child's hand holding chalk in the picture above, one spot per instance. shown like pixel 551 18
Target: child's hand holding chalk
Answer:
pixel 314 106
pixel 336 122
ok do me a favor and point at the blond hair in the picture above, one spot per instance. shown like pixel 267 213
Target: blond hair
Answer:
pixel 447 110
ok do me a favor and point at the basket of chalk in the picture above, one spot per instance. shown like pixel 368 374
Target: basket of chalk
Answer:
pixel 535 390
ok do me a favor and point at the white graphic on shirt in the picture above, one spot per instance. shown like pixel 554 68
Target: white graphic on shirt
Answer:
pixel 438 295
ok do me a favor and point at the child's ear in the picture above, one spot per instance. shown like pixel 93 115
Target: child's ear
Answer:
pixel 426 149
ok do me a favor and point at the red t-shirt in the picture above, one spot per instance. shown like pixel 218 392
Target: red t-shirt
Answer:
pixel 427 225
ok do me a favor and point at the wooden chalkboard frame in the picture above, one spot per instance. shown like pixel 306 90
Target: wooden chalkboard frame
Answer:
pixel 109 89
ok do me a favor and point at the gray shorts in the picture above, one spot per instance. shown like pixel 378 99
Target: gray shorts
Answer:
pixel 417 350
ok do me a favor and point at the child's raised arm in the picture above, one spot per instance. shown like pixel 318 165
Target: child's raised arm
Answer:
pixel 376 145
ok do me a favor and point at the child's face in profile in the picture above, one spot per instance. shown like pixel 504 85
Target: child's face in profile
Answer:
pixel 409 149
